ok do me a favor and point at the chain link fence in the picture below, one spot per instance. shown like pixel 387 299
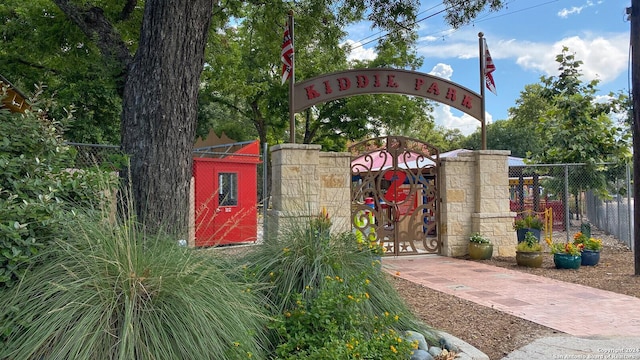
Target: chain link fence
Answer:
pixel 111 157
pixel 577 194
pixel 104 156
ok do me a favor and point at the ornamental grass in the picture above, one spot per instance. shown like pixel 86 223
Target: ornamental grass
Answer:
pixel 329 294
pixel 108 291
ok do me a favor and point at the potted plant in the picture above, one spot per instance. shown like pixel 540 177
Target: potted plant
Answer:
pixel 528 223
pixel 529 251
pixel 590 248
pixel 480 247
pixel 566 255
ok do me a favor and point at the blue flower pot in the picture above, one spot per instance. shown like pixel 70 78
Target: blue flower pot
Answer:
pixel 520 233
pixel 567 261
pixel 590 257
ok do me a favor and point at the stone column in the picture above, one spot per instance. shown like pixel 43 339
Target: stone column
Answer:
pixel 456 180
pixel 303 180
pixel 492 216
pixel 475 198
pixel 335 189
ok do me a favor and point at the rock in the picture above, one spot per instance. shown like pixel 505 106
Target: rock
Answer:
pixel 412 336
pixel 446 344
pixel 435 351
pixel 421 355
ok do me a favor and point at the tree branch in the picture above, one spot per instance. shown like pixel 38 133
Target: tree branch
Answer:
pixel 37 66
pixel 128 9
pixel 97 27
pixel 223 101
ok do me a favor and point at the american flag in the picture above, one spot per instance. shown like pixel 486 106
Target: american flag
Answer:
pixel 489 67
pixel 286 55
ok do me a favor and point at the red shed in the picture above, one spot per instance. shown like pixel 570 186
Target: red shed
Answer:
pixel 226 193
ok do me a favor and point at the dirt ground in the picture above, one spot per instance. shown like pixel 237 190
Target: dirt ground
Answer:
pixel 496 333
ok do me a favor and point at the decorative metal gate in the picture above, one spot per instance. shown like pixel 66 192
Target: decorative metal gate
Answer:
pixel 394 194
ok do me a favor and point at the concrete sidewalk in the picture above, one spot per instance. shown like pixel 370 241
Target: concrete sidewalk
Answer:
pixel 613 331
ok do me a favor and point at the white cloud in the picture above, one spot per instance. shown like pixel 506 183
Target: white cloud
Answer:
pixel 358 52
pixel 603 57
pixel 564 13
pixel 448 117
pixel 442 70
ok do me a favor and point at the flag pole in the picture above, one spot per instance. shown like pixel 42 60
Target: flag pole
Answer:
pixel 292 80
pixel 483 128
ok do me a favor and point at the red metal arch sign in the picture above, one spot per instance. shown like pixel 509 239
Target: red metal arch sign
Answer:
pixel 342 84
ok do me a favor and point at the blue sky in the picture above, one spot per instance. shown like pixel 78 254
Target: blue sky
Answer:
pixel 524 39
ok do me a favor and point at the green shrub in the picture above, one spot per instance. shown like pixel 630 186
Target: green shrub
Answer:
pixel 319 316
pixel 37 189
pixel 110 292
pixel 333 325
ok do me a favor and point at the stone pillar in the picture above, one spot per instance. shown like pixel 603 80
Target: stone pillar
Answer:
pixel 456 180
pixel 475 198
pixel 303 180
pixel 492 216
pixel 335 189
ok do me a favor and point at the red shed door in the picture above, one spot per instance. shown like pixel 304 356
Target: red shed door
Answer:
pixel 228 211
pixel 225 214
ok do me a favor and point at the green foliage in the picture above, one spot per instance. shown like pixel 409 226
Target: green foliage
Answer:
pixel 113 291
pixel 436 135
pixel 564 248
pixel 38 189
pixel 586 240
pixel 332 325
pixel 506 135
pixel 528 221
pixel 327 287
pixel 463 11
pixel 242 95
pixel 41 46
pixel 578 129
pixel 530 243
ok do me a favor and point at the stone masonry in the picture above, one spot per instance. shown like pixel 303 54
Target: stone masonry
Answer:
pixel 473 187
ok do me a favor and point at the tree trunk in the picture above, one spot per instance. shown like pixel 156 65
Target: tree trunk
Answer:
pixel 160 110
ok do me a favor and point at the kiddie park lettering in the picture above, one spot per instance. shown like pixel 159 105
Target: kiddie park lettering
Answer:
pixel 385 81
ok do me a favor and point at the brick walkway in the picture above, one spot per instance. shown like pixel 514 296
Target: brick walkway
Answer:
pixel 548 302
